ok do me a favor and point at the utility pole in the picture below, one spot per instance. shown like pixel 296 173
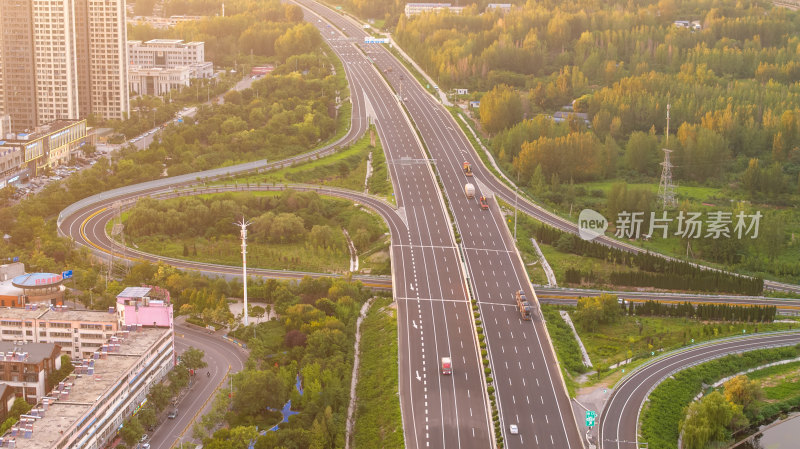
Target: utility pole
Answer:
pixel 243 225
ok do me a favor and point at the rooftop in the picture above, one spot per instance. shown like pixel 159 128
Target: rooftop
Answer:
pixel 45 313
pixel 36 351
pixel 36 280
pixel 134 292
pixel 88 389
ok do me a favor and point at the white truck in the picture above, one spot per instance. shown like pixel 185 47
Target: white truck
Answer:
pixel 469 189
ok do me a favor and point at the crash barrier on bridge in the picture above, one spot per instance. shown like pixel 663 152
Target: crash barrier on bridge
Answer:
pixel 174 181
pixel 201 176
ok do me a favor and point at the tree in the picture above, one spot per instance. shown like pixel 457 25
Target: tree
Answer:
pixel 159 396
pixel 131 431
pixel 709 420
pixel 192 358
pixel 258 389
pixel 538 183
pixel 501 108
pixel 147 417
pixel 742 391
pixel 257 311
pixel 641 153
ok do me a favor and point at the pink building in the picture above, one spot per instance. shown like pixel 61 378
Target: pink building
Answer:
pixel 144 307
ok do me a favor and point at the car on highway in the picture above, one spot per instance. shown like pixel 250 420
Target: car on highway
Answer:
pixel 513 429
pixel 484 203
pixel 173 413
pixel 447 366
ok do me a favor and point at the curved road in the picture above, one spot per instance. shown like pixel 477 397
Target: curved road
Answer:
pixel 221 356
pixel 618 423
pixel 87 227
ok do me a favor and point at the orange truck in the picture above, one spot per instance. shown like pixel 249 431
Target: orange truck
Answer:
pixel 467 169
pixel 523 305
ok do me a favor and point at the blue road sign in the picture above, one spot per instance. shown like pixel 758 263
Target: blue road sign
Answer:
pixel 67 274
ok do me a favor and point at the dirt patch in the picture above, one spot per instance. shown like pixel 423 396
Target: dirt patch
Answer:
pixel 379 256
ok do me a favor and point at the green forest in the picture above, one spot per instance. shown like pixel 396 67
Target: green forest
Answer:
pixel 289 230
pixel 261 30
pixel 729 79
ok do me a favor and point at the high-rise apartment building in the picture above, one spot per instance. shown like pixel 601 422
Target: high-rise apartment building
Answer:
pixel 62 59
pixel 107 61
pixel 17 83
pixel 55 62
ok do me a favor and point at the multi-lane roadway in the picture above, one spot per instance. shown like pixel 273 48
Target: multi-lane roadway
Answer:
pixel 528 382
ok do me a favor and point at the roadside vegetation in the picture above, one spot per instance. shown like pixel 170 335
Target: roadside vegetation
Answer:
pixel 583 263
pixel 616 340
pixel 728 156
pixel 304 356
pixel 378 422
pixel 347 168
pixel 299 231
pixel 712 420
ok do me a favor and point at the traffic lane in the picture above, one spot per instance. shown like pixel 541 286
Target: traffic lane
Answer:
pixel 619 419
pixel 219 355
pixel 525 391
pixel 570 433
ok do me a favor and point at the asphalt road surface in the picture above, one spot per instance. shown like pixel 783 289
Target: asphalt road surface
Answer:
pixel 619 420
pixel 526 375
pixel 220 355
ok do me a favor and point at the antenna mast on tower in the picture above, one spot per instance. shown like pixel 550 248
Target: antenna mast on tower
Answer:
pixel 243 224
pixel 666 188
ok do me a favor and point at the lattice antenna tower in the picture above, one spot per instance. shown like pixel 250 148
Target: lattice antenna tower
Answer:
pixel 666 188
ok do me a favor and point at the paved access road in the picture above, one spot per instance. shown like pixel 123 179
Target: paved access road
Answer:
pixel 524 368
pixel 221 356
pixel 619 420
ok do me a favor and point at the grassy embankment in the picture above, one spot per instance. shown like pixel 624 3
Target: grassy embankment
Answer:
pixel 377 417
pixel 637 338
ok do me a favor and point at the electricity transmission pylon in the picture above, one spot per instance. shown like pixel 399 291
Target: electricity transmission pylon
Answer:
pixel 666 188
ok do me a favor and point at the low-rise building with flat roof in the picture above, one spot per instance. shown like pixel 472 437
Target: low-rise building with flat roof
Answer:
pixel 26 367
pixel 79 333
pixel 87 409
pixel 144 306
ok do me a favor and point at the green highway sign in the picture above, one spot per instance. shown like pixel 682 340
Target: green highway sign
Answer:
pixel 590 416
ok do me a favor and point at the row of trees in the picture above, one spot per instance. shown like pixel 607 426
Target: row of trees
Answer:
pixel 288 217
pixel 705 312
pixel 266 29
pixel 161 395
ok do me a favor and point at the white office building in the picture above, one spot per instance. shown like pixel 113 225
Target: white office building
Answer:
pixel 413 9
pixel 159 65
